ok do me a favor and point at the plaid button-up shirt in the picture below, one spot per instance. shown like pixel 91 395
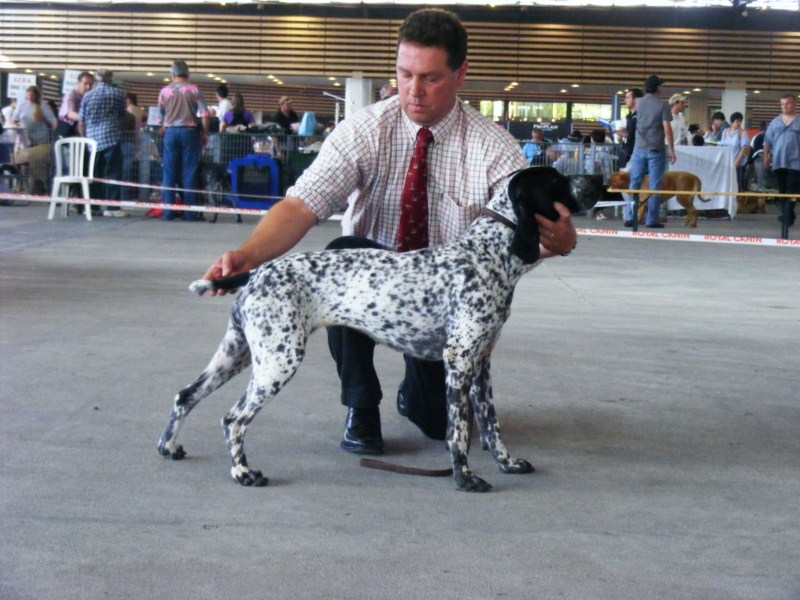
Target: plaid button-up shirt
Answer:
pixel 101 109
pixel 365 159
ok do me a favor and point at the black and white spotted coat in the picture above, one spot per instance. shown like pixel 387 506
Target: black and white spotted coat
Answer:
pixel 446 303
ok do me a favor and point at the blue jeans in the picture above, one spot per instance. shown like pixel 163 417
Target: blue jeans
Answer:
pixel 653 163
pixel 108 165
pixel 181 155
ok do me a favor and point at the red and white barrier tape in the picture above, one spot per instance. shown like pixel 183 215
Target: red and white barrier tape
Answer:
pixel 691 237
pixel 648 235
pixel 177 189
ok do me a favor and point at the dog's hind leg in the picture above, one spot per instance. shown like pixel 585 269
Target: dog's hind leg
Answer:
pixel 274 364
pixel 481 398
pixel 232 355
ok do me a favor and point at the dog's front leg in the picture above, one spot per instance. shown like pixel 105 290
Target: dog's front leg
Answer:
pixel 486 415
pixel 458 383
pixel 234 424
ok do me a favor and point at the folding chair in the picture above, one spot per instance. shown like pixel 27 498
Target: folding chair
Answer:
pixel 74 149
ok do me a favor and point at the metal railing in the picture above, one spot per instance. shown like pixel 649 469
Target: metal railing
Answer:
pixel 142 155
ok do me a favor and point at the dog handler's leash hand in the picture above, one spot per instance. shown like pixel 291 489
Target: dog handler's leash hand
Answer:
pixel 229 264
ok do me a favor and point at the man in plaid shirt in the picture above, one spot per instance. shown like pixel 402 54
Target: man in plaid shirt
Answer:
pixel 365 160
pixel 101 110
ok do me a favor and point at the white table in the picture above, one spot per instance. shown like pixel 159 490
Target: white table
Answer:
pixel 715 166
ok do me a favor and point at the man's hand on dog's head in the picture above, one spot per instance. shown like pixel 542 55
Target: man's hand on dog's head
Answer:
pixel 557 237
pixel 230 263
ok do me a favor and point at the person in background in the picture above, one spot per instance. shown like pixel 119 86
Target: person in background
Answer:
pixel 387 91
pixel 782 155
pixel 626 151
pixel 534 150
pixel 185 125
pixel 680 130
pixel 101 110
pixel 698 140
pixel 223 104
pixel 133 108
pixel 36 122
pixel 367 156
pixel 285 116
pixel 238 116
pixel 68 116
pixel 716 127
pixel 7 111
pixel 35 117
pixel 649 156
pixel 737 138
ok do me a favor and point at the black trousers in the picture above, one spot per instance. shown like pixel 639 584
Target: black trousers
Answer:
pixel 423 384
pixel 788 183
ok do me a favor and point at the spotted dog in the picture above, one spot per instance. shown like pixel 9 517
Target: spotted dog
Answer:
pixel 444 303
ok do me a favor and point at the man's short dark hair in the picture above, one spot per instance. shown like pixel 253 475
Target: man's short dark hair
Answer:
pixel 436 28
pixel 718 115
pixel 637 92
pixel 222 90
pixel 84 74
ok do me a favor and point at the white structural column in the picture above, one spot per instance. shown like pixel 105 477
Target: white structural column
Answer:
pixel 358 93
pixel 734 99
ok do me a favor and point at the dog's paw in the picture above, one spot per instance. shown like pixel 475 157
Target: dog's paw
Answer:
pixel 471 483
pixel 247 477
pixel 171 450
pixel 516 466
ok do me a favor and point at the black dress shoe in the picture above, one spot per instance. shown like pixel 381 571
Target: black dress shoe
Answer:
pixel 402 404
pixel 362 432
pixel 656 226
pixel 628 223
pixel 428 424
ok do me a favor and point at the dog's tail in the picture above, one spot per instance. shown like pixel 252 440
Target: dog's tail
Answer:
pixel 201 286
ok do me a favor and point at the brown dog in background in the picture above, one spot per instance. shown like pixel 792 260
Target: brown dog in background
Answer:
pixel 673 181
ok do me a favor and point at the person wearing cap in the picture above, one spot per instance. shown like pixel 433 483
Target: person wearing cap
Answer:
pixel 653 126
pixel 185 125
pixel 285 116
pixel 101 109
pixel 680 130
pixel 365 160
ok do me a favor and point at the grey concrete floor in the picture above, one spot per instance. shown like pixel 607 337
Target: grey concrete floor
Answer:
pixel 653 384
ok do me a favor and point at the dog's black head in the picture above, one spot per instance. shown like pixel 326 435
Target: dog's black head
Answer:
pixel 533 191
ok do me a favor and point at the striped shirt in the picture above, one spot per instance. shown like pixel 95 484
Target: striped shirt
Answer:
pixel 365 159
pixel 101 109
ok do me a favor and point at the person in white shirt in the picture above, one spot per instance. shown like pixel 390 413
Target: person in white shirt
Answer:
pixel 223 104
pixel 680 130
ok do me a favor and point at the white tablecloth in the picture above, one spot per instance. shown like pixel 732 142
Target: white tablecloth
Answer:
pixel 715 166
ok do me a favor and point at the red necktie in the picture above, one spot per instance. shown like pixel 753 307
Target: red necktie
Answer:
pixel 413 231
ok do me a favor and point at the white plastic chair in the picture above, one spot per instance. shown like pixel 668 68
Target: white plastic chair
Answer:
pixel 75 150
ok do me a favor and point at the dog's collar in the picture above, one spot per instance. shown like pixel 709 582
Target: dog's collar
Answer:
pixel 488 212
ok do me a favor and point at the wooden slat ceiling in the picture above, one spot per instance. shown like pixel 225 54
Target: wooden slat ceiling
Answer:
pixel 323 46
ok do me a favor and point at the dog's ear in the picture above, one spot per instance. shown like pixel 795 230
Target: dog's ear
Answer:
pixel 533 191
pixel 525 242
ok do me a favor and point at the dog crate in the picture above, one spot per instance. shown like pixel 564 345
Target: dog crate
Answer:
pixel 254 175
